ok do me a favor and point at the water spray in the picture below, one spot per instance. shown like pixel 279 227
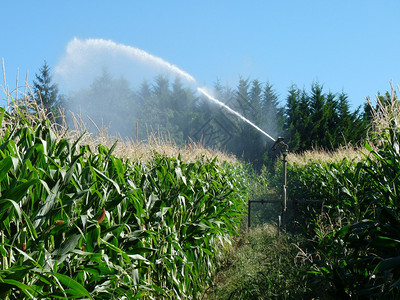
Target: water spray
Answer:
pixel 80 52
pixel 201 90
pixel 85 58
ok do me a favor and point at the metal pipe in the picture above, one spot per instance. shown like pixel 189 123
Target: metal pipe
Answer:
pixel 284 148
pixel 284 186
pixel 284 161
pixel 248 214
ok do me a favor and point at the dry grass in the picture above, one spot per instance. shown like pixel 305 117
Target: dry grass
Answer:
pixel 143 151
pixel 140 151
pixel 385 112
pixel 324 156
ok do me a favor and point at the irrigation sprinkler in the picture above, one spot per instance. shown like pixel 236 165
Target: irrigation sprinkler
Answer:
pixel 284 148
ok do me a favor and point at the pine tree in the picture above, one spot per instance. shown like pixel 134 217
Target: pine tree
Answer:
pixel 46 92
pixel 273 123
pixel 184 111
pixel 318 115
pixel 242 97
pixel 346 120
pixel 161 114
pixel 331 119
pixel 273 114
pixel 255 140
pixel 298 120
pixel 255 102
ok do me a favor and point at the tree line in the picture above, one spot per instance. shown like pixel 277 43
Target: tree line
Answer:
pixel 306 119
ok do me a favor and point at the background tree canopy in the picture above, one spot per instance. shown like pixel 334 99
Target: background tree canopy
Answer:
pixel 166 107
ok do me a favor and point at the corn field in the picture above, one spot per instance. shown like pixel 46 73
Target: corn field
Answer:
pixel 78 223
pixel 354 234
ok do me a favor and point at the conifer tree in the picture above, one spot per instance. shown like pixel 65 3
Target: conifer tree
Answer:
pixel 253 139
pixel 331 119
pixel 273 116
pixel 318 115
pixel 346 120
pixel 321 120
pixel 46 92
pixel 242 97
pixel 255 102
pixel 144 93
pixel 298 120
pixel 184 111
pixel 107 104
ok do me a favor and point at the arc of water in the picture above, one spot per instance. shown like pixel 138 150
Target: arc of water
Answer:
pixel 78 50
pixel 201 90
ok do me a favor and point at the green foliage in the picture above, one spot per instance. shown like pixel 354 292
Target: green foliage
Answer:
pixel 81 224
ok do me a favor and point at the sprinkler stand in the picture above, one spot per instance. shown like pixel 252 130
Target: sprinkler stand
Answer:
pixel 284 148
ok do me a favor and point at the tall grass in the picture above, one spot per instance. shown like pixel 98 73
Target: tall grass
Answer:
pixel 262 265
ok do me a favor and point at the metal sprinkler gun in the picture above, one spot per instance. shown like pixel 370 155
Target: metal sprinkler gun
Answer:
pixel 284 148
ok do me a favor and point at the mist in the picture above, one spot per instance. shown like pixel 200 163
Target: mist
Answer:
pixel 99 76
pixel 133 94
pixel 84 60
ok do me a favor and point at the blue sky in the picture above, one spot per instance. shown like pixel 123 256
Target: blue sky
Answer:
pixel 351 46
